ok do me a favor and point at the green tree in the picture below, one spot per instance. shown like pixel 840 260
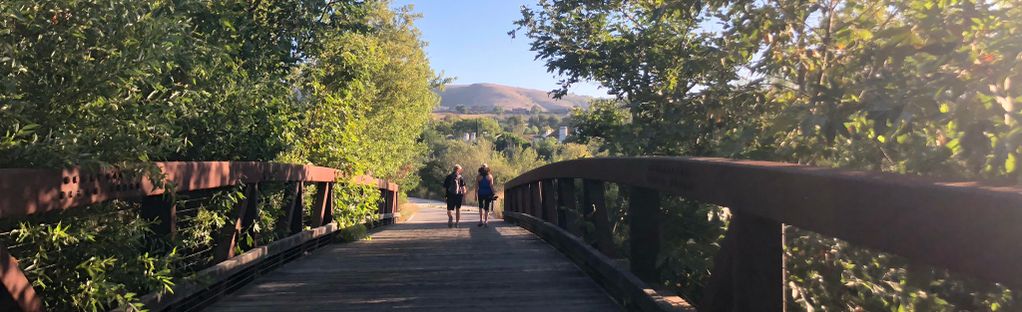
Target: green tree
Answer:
pixel 122 82
pixel 605 122
pixel 907 86
pixel 483 127
pixel 681 88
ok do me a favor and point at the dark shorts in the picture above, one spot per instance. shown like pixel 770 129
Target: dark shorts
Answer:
pixel 454 201
pixel 485 202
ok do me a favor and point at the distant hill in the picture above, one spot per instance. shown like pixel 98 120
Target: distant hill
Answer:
pixel 483 97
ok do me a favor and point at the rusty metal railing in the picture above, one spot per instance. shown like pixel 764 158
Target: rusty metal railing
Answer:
pixel 966 227
pixel 32 191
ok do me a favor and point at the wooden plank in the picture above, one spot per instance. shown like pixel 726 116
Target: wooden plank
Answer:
pixel 616 280
pixel 161 300
pixel 423 265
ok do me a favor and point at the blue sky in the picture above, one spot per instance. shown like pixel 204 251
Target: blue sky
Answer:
pixel 468 40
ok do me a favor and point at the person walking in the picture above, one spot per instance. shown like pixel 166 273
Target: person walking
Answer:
pixel 485 194
pixel 454 186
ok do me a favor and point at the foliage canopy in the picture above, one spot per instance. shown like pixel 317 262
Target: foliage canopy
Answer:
pixel 908 86
pixel 343 84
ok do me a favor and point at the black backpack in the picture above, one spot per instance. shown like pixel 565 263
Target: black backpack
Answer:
pixel 452 184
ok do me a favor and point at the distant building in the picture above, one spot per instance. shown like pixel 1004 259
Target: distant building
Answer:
pixel 562 134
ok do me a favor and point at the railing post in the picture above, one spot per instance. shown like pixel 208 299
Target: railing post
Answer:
pixel 595 202
pixel 15 288
pixel 512 195
pixel 322 207
pixel 520 199
pixel 523 198
pixel 507 200
pixel 517 193
pixel 566 202
pixel 229 235
pixel 162 212
pixel 295 207
pixel 394 205
pixel 536 199
pixel 644 232
pixel 390 201
pixel 383 204
pixel 748 271
pixel 549 201
pixel 251 213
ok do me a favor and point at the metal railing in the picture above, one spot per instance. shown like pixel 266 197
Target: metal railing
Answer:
pixel 32 191
pixel 966 227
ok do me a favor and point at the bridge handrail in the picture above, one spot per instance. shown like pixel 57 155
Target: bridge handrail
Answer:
pixel 967 227
pixel 31 191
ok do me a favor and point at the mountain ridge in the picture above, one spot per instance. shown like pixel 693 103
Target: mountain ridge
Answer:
pixel 485 97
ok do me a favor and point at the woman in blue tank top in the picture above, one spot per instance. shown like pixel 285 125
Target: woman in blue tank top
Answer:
pixel 485 194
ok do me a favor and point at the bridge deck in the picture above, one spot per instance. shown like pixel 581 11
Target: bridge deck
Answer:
pixel 423 265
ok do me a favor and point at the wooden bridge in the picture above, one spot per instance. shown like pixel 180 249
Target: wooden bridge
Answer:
pixel 534 259
pixel 422 265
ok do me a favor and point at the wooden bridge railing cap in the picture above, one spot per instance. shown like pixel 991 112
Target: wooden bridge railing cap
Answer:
pixel 969 227
pixel 30 191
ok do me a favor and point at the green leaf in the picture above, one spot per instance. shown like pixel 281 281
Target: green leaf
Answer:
pixel 1010 163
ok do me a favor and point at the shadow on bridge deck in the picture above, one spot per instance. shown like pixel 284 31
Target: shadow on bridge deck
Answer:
pixel 423 265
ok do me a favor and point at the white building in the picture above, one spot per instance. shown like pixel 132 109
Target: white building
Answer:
pixel 562 134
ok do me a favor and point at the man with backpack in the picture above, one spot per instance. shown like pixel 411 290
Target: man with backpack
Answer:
pixel 455 188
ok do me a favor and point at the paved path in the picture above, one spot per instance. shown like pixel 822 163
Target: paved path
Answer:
pixel 423 265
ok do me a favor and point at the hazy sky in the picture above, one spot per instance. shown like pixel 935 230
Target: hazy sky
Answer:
pixel 468 40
